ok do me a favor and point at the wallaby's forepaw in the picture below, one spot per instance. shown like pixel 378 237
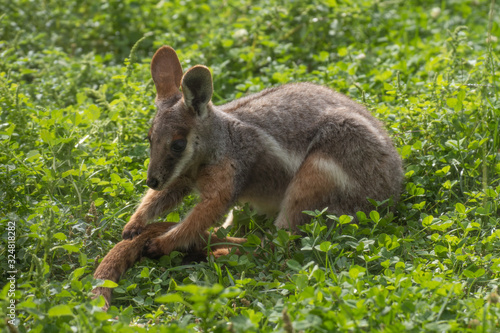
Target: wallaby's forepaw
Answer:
pixel 106 293
pixel 131 230
pixel 155 248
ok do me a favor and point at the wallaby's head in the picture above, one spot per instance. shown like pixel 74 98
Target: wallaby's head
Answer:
pixel 173 136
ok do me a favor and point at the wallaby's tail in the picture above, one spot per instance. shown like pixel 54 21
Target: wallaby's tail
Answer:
pixel 127 252
pixel 123 256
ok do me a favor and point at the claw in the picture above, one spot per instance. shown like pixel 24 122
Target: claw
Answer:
pixel 153 249
pixel 129 233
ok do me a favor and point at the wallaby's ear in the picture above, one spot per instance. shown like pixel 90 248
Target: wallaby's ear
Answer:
pixel 197 88
pixel 167 72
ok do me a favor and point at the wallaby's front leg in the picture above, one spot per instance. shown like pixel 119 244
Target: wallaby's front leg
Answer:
pixel 154 204
pixel 217 192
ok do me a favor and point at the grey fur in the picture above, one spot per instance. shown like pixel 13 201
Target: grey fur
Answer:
pixel 302 118
pixel 272 139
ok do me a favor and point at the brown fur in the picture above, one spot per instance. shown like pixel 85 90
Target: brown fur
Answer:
pixel 155 203
pixel 216 191
pixel 127 252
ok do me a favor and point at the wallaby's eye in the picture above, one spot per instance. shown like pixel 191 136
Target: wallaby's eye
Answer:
pixel 178 146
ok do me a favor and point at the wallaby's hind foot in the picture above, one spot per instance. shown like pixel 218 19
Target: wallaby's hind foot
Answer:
pixel 315 185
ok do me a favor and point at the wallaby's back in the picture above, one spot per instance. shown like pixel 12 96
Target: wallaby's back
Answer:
pixel 296 120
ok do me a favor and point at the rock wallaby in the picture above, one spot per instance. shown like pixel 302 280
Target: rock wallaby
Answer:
pixel 283 150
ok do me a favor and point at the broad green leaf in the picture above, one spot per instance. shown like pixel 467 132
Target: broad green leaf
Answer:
pixel 32 155
pixel 173 217
pixel 93 112
pixel 460 208
pixel 293 264
pixel 375 216
pixel 345 219
pixel 405 152
pixel 342 52
pixel 355 270
pixel 427 220
pixel 169 298
pixel 145 272
pixel 109 284
pixel 60 236
pixel 253 240
pixel 325 246
pixel 70 248
pixel 78 272
pixel 60 310
pixel 451 102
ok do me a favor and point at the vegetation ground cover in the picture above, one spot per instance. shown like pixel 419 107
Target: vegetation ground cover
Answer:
pixel 76 101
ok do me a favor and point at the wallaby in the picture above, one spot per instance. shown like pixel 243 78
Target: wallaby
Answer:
pixel 127 252
pixel 283 150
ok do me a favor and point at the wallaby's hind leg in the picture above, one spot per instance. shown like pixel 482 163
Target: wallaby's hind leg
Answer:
pixel 320 182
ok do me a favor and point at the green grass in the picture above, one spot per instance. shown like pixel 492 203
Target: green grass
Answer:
pixel 76 100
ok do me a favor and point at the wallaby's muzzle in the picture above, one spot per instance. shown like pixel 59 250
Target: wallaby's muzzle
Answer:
pixel 152 182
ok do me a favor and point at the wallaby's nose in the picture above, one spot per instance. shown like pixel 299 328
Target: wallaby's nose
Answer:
pixel 152 182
